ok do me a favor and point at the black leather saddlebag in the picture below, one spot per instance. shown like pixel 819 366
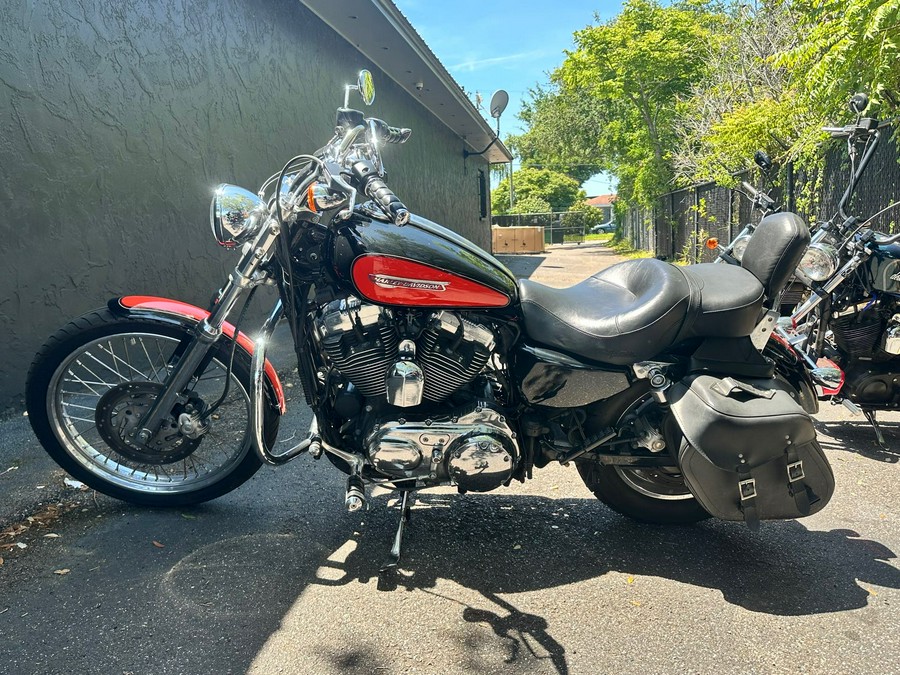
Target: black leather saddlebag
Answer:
pixel 750 451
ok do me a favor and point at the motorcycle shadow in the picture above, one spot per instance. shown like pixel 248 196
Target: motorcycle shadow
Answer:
pixel 499 545
pixel 858 437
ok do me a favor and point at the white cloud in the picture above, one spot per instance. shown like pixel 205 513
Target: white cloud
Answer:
pixel 473 64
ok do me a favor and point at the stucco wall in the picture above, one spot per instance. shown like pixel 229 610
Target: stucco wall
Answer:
pixel 119 116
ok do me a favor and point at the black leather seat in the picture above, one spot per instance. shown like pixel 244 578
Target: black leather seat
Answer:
pixel 636 309
pixel 730 300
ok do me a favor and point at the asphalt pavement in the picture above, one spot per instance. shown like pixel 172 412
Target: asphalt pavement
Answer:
pixel 538 578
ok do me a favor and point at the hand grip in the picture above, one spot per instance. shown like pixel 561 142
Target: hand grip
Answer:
pixel 378 190
pixel 397 135
pixel 388 134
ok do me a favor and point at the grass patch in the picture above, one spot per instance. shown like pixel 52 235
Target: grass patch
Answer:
pixel 623 248
pixel 602 238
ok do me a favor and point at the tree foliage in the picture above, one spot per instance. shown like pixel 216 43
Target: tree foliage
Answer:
pixel 582 216
pixel 531 204
pixel 557 190
pixel 673 94
pixel 738 107
pixel 612 103
pixel 550 110
pixel 782 70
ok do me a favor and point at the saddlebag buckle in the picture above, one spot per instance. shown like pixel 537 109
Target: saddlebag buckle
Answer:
pixel 747 489
pixel 795 471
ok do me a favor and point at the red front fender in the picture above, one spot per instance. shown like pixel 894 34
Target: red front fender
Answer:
pixel 144 304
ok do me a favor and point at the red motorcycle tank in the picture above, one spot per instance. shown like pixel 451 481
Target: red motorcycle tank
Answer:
pixel 419 265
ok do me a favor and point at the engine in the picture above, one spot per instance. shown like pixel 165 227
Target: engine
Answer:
pixel 475 451
pixel 363 342
pixel 407 364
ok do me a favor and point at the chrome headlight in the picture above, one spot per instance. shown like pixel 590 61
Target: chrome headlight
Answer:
pixel 819 262
pixel 739 246
pixel 235 215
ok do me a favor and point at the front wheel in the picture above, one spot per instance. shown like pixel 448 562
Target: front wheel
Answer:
pixel 95 378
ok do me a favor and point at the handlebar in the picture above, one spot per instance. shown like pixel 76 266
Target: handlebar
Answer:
pixel 749 188
pixel 884 241
pixel 376 189
pixel 763 200
pixel 386 133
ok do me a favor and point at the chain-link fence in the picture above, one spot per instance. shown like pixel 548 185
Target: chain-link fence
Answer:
pixel 677 226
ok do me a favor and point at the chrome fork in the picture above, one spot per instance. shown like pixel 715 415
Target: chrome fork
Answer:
pixel 244 277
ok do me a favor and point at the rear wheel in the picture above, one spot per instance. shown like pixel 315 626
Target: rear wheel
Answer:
pixel 94 379
pixel 648 494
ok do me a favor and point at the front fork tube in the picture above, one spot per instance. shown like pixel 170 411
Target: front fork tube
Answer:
pixel 244 277
pixel 208 331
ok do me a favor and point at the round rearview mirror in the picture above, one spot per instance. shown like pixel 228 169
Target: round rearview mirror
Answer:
pixel 499 101
pixel 366 87
pixel 858 103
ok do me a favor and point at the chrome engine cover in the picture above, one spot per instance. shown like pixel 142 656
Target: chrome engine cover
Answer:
pixel 892 336
pixel 477 451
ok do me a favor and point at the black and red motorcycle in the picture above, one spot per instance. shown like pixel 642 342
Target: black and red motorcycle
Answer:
pixel 427 363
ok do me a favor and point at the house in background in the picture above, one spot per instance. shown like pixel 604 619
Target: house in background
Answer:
pixel 605 203
pixel 119 117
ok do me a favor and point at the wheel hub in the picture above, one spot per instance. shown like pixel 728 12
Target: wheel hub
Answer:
pixel 118 415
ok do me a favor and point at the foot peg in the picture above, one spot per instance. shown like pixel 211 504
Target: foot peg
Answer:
pixel 356 494
pixel 394 556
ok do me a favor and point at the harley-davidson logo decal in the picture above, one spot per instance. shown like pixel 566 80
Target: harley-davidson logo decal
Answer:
pixel 895 277
pixel 385 281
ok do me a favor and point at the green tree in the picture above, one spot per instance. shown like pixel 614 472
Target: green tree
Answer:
pixel 531 204
pixel 613 103
pixel 555 189
pixel 548 110
pixel 845 46
pixel 744 103
pixel 582 216
pixel 780 70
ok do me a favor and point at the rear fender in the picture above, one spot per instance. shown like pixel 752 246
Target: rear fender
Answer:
pixel 184 314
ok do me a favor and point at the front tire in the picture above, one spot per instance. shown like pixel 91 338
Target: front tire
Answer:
pixel 98 373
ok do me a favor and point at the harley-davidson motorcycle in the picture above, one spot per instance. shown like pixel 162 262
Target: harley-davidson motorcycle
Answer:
pixel 427 363
pixel 846 330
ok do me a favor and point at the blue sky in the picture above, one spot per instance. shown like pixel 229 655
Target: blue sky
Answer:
pixel 505 44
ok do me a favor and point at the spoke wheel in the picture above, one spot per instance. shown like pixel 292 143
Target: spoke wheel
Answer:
pixel 94 380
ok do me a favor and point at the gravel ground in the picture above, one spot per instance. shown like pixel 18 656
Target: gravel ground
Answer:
pixel 537 578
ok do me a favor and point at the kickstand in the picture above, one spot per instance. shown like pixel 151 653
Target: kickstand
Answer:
pixel 870 415
pixel 394 556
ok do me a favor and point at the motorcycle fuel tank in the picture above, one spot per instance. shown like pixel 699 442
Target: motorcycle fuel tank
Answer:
pixel 885 269
pixel 419 265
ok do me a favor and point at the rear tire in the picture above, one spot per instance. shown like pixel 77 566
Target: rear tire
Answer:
pixel 646 494
pixel 632 494
pixel 99 353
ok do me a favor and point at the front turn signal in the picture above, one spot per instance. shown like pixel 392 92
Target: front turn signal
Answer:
pixel 712 243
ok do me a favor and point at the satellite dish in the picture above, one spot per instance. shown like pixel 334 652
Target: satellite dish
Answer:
pixel 499 101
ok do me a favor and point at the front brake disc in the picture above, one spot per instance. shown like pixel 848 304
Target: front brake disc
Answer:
pixel 118 415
